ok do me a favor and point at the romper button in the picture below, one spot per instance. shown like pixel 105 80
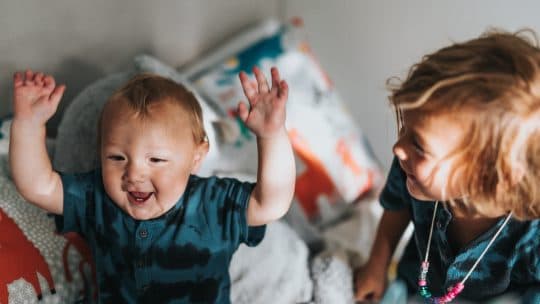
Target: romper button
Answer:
pixel 439 225
pixel 143 289
pixel 143 233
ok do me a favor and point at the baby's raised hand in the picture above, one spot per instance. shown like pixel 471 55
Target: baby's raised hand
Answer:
pixel 35 96
pixel 266 113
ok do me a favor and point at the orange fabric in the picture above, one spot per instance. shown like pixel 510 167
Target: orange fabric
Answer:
pixel 344 152
pixel 314 181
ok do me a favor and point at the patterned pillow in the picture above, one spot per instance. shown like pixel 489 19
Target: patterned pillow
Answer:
pixel 35 262
pixel 334 163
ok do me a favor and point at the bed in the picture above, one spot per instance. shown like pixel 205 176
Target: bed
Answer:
pixel 307 257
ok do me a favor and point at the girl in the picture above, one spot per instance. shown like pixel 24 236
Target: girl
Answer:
pixel 466 173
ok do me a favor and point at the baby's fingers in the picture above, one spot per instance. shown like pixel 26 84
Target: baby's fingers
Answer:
pixel 56 94
pixel 38 79
pixel 243 111
pixel 275 78
pixel 49 82
pixel 28 77
pixel 250 89
pixel 283 92
pixel 261 80
pixel 17 80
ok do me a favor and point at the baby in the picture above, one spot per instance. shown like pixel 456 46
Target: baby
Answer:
pixel 466 173
pixel 157 232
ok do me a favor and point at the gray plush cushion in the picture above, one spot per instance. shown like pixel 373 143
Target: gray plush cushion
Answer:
pixel 76 140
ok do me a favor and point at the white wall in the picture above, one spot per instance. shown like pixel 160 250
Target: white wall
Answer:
pixel 80 41
pixel 362 43
pixel 359 42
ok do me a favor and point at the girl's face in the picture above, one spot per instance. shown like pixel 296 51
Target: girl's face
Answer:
pixel 146 163
pixel 423 147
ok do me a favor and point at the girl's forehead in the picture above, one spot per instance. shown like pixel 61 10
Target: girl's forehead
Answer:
pixel 442 132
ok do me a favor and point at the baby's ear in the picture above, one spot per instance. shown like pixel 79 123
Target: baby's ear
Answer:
pixel 200 153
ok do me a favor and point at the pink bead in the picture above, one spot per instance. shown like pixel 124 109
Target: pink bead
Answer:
pixel 425 265
pixel 422 283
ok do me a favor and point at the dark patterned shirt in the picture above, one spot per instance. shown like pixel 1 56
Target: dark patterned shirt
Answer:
pixel 180 257
pixel 512 263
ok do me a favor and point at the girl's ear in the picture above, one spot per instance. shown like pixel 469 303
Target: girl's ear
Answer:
pixel 198 157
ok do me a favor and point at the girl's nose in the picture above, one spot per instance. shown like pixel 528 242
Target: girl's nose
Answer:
pixel 399 151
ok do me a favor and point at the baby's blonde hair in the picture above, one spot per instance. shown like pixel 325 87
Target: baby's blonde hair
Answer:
pixel 146 89
pixel 493 82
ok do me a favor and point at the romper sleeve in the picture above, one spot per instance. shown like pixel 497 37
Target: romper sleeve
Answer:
pixel 231 197
pixel 78 192
pixel 237 201
pixel 394 193
pixel 532 294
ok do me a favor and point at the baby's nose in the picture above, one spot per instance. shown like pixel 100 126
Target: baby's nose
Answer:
pixel 134 174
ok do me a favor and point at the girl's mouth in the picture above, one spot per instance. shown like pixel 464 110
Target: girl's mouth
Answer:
pixel 411 177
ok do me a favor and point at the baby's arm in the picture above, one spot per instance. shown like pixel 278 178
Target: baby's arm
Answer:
pixel 371 281
pixel 35 99
pixel 276 172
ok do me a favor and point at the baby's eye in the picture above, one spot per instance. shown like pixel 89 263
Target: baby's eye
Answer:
pixel 115 157
pixel 157 160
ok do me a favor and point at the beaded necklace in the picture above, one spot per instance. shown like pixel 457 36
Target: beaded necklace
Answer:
pixel 454 290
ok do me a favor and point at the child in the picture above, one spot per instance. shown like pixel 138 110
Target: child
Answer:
pixel 467 173
pixel 157 232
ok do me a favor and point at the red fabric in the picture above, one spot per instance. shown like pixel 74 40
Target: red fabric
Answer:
pixel 73 239
pixel 19 259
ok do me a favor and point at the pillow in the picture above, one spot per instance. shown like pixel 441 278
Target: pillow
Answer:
pixel 35 262
pixel 334 163
pixel 5 126
pixel 283 259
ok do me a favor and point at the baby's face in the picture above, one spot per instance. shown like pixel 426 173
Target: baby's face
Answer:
pixel 422 149
pixel 146 162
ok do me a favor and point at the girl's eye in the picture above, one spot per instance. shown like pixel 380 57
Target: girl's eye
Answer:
pixel 157 160
pixel 115 157
pixel 417 147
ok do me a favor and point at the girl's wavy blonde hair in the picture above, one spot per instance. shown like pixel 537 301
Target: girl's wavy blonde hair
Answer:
pixel 145 89
pixel 493 82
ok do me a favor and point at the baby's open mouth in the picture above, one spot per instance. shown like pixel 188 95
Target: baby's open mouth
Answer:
pixel 139 197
